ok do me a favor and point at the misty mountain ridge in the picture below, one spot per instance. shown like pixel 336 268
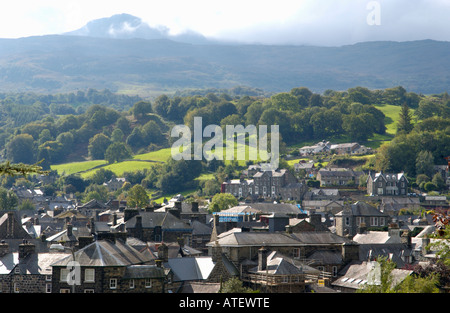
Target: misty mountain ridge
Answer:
pixel 124 54
pixel 126 26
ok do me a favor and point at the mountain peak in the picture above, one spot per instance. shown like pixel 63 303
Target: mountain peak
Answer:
pixel 119 26
pixel 124 26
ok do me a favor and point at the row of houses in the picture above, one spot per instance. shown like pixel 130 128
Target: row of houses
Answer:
pixel 272 247
pixel 352 148
pixel 273 184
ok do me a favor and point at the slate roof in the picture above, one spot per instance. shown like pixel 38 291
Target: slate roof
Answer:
pixel 199 228
pixel 395 252
pixel 106 253
pixel 278 266
pixel 195 268
pixel 392 177
pixel 356 275
pixel 36 263
pixel 164 219
pixel 240 239
pixel 143 271
pixel 373 237
pixel 275 207
pixel 319 238
pixel 326 257
pixel 361 208
pixel 200 287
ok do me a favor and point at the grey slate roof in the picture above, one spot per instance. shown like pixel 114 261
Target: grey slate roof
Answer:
pixel 275 207
pixel 143 271
pixel 164 219
pixel 326 257
pixel 319 238
pixel 278 266
pixel 239 239
pixel 361 208
pixel 36 263
pixel 106 253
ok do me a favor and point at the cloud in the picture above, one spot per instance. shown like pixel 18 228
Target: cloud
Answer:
pixel 320 22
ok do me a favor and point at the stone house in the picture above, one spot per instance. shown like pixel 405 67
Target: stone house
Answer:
pixel 115 184
pixel 387 184
pixel 106 266
pixel 345 148
pixel 308 167
pixel 157 226
pixel 242 248
pixel 275 274
pixel 338 177
pixel 279 183
pixel 26 271
pixel 322 146
pixel 359 215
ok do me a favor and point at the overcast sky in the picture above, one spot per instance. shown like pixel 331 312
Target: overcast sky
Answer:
pixel 318 22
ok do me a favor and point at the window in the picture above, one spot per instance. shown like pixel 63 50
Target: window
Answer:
pixel 382 221
pixel 48 288
pixel 296 253
pixel 273 190
pixel 113 283
pixel 88 290
pixel 359 220
pixel 285 279
pixel 250 190
pixel 131 283
pixel 89 275
pixel 17 270
pixel 335 271
pixel 64 273
pixel 374 221
pixel 16 287
pixel 64 290
pixel 347 221
pixel 256 190
pixel 48 277
pixel 148 283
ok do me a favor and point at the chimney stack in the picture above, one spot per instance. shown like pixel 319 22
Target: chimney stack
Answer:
pixel 163 252
pixel 194 207
pixel 4 248
pixel 262 259
pixel 129 213
pixel 25 249
pixel 69 230
pixel 114 219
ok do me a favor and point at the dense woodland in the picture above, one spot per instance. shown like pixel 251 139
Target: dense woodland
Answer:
pixel 100 125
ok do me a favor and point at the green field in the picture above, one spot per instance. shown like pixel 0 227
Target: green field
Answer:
pixel 141 161
pixel 77 167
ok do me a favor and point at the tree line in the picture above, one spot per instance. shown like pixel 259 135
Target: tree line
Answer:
pixel 105 126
